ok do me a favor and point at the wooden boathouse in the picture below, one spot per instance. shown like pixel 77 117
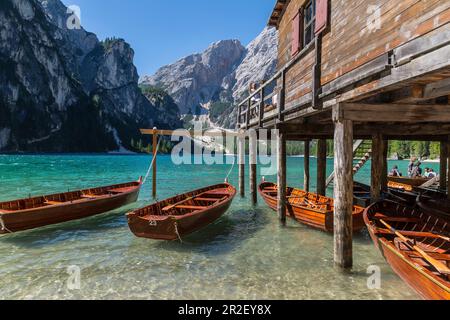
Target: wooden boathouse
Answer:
pixel 354 71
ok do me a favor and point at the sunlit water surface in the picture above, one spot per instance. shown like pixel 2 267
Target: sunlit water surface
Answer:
pixel 244 255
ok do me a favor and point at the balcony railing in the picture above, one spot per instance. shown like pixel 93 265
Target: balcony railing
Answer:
pixel 268 102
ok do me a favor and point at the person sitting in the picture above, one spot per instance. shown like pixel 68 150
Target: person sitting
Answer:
pixel 417 170
pixel 431 174
pixel 395 172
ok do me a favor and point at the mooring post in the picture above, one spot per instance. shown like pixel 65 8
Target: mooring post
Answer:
pixel 448 167
pixel 343 190
pixel 377 166
pixel 253 150
pixel 384 177
pixel 321 166
pixel 155 155
pixel 443 165
pixel 281 177
pixel 306 165
pixel 241 155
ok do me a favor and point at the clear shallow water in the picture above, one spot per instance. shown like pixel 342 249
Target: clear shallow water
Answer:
pixel 244 255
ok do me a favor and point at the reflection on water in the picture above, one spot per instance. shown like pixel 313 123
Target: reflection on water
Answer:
pixel 244 255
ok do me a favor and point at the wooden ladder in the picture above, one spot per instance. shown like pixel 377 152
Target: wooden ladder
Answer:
pixel 362 149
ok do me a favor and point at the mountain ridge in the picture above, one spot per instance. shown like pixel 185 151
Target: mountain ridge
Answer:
pixel 63 90
pixel 196 91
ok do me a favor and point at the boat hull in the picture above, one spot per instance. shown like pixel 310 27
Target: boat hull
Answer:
pixel 318 219
pixel 145 223
pixel 406 183
pixel 75 210
pixel 427 285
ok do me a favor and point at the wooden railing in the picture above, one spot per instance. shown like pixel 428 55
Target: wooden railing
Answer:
pixel 269 100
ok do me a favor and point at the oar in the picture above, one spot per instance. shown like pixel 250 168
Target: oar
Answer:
pixel 177 204
pixel 439 266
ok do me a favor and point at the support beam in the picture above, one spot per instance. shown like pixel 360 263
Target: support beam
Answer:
pixel 343 193
pixel 448 167
pixel 282 183
pixel 321 166
pixel 241 155
pixel 443 165
pixel 401 131
pixel 377 167
pixel 155 155
pixel 384 177
pixel 391 112
pixel 306 166
pixel 253 150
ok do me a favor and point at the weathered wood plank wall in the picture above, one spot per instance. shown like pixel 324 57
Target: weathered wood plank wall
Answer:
pixel 361 30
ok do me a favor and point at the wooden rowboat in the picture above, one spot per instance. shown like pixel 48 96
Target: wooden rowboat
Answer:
pixel 437 207
pixel 181 215
pixel 308 208
pixel 415 244
pixel 406 183
pixel 409 198
pixel 25 214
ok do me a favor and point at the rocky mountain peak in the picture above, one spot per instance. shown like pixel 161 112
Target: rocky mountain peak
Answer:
pixel 196 80
pixel 219 76
pixel 63 90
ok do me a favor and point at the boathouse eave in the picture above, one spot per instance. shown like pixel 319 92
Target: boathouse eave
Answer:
pixel 277 13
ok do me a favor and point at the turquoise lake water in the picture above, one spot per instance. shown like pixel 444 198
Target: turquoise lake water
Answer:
pixel 244 255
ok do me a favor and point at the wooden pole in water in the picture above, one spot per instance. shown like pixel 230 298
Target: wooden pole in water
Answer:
pixel 343 190
pixel 155 155
pixel 307 165
pixel 281 164
pixel 448 167
pixel 253 150
pixel 443 165
pixel 384 177
pixel 241 155
pixel 321 166
pixel 377 166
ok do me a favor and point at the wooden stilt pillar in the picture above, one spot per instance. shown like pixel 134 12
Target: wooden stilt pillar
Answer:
pixel 377 166
pixel 241 154
pixel 443 165
pixel 307 165
pixel 321 166
pixel 253 149
pixel 448 167
pixel 281 163
pixel 343 192
pixel 155 155
pixel 384 177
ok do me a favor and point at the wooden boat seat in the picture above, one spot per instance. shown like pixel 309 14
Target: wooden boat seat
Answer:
pixel 438 256
pixel 53 203
pixel 380 216
pixel 412 234
pixel 191 207
pixel 90 196
pixel 207 199
pixel 121 190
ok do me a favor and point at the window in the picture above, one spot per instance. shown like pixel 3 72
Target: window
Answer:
pixel 309 22
pixel 303 26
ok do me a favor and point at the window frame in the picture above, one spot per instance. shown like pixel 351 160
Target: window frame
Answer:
pixel 309 24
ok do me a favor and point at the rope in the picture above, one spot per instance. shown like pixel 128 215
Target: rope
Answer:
pixel 176 231
pixel 231 169
pixel 2 224
pixel 153 162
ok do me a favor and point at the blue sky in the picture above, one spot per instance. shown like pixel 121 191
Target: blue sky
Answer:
pixel 162 31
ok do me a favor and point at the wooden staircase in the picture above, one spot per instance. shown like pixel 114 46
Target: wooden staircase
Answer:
pixel 362 150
